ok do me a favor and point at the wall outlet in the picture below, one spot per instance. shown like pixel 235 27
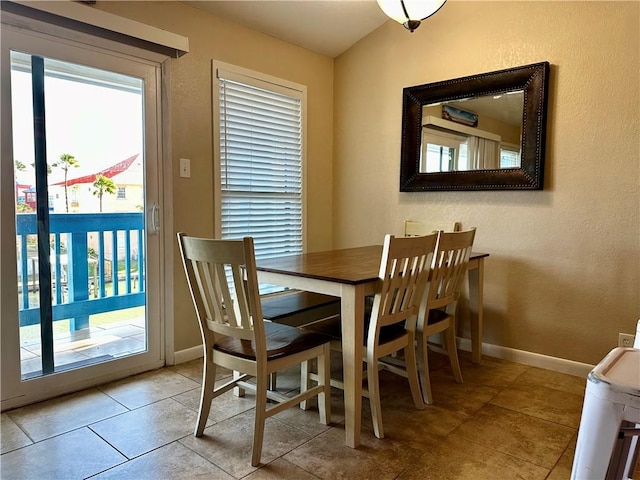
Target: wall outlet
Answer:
pixel 625 340
pixel 185 168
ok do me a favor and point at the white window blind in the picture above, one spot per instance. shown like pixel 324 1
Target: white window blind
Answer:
pixel 261 155
pixel 509 156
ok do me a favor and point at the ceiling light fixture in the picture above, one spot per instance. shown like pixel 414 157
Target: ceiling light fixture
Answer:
pixel 410 12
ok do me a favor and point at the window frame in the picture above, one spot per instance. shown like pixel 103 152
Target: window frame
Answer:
pixel 268 82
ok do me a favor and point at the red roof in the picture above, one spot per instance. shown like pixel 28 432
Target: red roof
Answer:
pixel 110 172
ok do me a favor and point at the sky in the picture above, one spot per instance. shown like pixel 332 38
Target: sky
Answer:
pixel 98 125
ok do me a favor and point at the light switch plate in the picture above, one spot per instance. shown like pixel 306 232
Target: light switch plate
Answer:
pixel 185 168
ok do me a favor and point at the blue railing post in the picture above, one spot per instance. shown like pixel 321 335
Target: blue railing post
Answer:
pixel 78 276
pixel 24 274
pixel 58 252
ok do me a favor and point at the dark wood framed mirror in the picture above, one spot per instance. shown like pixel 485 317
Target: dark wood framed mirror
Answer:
pixel 481 132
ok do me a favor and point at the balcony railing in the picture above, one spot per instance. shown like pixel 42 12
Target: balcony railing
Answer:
pixel 86 250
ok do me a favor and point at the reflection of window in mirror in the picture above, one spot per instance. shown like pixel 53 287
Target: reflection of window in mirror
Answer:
pixel 509 155
pixel 443 152
pixel 446 150
pixel 449 147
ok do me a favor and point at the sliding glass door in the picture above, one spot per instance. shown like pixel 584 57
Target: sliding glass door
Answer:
pixel 81 275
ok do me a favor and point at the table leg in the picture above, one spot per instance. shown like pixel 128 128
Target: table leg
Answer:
pixel 476 307
pixel 352 311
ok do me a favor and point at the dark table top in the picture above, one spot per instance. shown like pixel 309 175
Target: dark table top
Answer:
pixel 350 265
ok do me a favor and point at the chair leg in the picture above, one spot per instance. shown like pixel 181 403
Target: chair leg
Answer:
pixel 262 383
pixel 373 384
pixel 273 380
pixel 423 368
pixel 206 396
pixel 452 350
pixel 412 374
pixel 305 382
pixel 237 391
pixel 324 376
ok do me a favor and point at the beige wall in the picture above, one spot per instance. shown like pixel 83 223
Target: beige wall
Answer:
pixel 557 282
pixel 191 118
pixel 563 275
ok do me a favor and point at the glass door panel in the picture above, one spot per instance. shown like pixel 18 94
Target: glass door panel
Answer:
pixel 92 189
pixel 81 274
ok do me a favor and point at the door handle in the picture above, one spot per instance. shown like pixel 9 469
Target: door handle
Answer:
pixel 154 219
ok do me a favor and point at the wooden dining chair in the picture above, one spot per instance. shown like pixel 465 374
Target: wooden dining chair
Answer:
pixel 390 327
pixel 438 309
pixel 222 278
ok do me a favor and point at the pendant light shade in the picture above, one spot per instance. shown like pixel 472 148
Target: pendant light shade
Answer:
pixel 410 12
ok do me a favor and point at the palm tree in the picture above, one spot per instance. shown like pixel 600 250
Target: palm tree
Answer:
pixel 20 206
pixel 103 185
pixel 66 162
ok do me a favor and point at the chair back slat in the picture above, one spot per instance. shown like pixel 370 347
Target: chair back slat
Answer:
pixel 234 314
pixel 241 305
pixel 221 295
pixel 450 263
pixel 199 270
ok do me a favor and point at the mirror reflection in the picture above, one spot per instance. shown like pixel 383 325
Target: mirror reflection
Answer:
pixel 476 133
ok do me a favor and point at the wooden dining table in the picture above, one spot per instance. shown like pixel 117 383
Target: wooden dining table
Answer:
pixel 352 274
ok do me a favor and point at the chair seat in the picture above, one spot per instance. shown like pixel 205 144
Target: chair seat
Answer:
pixel 436 316
pixel 333 328
pixel 282 340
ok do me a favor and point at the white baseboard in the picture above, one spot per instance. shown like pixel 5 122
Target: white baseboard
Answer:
pixel 188 354
pixel 555 364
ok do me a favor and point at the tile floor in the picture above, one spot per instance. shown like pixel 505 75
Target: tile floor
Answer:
pixel 506 421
